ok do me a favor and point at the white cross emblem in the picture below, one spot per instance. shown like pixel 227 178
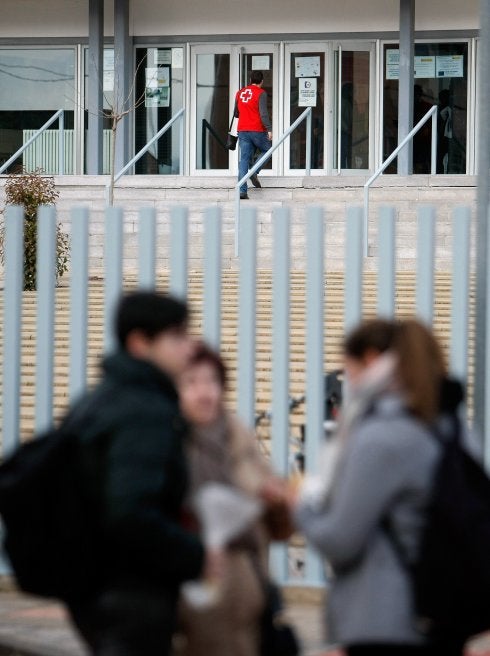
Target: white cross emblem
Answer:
pixel 246 95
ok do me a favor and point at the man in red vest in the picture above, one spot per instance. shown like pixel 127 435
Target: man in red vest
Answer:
pixel 254 126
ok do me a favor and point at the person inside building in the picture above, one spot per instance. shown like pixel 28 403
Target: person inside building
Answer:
pixel 254 126
pixel 222 450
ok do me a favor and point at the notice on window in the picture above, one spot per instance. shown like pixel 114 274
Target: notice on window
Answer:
pixel 424 67
pixel 307 66
pixel 163 57
pixel 157 89
pixel 177 57
pixel 108 77
pixel 450 65
pixel 261 62
pixel 307 92
pixel 392 64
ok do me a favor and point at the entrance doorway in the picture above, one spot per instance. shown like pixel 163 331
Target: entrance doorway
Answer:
pixel 353 129
pixel 217 72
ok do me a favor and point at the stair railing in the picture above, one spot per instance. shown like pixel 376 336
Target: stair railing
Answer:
pixel 146 147
pixel 207 127
pixel 58 116
pixel 305 115
pixel 433 164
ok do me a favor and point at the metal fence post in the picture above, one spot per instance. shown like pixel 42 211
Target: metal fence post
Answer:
pixel 178 251
pixel 425 263
pixel 79 302
pixel 12 322
pixel 212 277
pixel 147 247
pixel 387 262
pixel 481 380
pixel 353 267
pixel 113 270
pixel 46 281
pixel 247 318
pixel 315 299
pixel 280 365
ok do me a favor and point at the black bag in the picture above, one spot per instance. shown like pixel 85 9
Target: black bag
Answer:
pixel 277 638
pixel 48 521
pixel 231 141
pixel 451 577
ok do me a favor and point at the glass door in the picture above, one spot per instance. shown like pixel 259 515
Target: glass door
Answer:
pixel 217 72
pixel 306 66
pixel 212 81
pixel 260 57
pixel 354 93
pixel 160 89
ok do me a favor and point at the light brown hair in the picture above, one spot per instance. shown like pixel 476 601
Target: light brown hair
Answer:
pixel 420 368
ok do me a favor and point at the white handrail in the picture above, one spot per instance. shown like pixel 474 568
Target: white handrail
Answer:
pixel 306 114
pixel 433 164
pixel 61 142
pixel 147 146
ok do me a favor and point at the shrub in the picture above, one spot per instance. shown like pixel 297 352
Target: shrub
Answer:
pixel 31 190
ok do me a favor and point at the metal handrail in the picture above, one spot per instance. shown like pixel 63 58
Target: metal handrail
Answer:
pixel 206 125
pixel 306 114
pixel 60 114
pixel 150 143
pixel 433 164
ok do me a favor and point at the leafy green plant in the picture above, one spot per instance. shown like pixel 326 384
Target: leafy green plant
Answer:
pixel 30 190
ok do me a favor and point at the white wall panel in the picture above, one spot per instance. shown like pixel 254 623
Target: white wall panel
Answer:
pixel 31 18
pixel 283 16
pixel 56 18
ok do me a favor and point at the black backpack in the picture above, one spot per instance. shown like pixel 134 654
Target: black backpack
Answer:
pixel 49 524
pixel 451 577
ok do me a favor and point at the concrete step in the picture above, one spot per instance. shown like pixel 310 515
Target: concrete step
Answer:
pixel 333 193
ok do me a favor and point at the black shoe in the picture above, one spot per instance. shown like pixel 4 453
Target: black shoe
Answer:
pixel 244 196
pixel 255 181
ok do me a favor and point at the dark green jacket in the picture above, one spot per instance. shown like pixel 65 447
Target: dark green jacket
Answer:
pixel 131 438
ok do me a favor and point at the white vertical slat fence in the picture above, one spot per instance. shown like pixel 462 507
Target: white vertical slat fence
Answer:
pixel 316 291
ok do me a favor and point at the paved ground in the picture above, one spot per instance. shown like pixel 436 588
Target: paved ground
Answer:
pixel 34 627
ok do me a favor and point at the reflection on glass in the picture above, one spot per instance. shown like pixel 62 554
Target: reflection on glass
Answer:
pixel 35 84
pixel 261 62
pixel 107 82
pixel 159 94
pixel 307 73
pixel 354 111
pixel 212 110
pixel 441 77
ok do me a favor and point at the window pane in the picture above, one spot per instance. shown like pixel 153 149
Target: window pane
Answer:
pixel 35 84
pixel 441 78
pixel 303 67
pixel 159 91
pixel 212 110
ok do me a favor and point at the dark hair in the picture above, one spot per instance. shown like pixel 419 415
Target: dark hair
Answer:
pixel 204 354
pixel 148 312
pixel 421 368
pixel 256 77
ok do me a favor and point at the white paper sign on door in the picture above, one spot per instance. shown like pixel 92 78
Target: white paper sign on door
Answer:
pixel 307 66
pixel 307 92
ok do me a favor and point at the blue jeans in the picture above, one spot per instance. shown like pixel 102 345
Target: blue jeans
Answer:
pixel 249 141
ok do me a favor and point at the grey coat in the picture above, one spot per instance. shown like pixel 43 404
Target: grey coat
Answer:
pixel 386 471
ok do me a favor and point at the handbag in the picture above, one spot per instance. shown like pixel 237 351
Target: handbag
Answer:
pixel 232 137
pixel 277 637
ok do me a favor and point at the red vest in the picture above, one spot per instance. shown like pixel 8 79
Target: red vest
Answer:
pixel 247 101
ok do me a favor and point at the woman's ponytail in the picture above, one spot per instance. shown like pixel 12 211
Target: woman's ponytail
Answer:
pixel 421 368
